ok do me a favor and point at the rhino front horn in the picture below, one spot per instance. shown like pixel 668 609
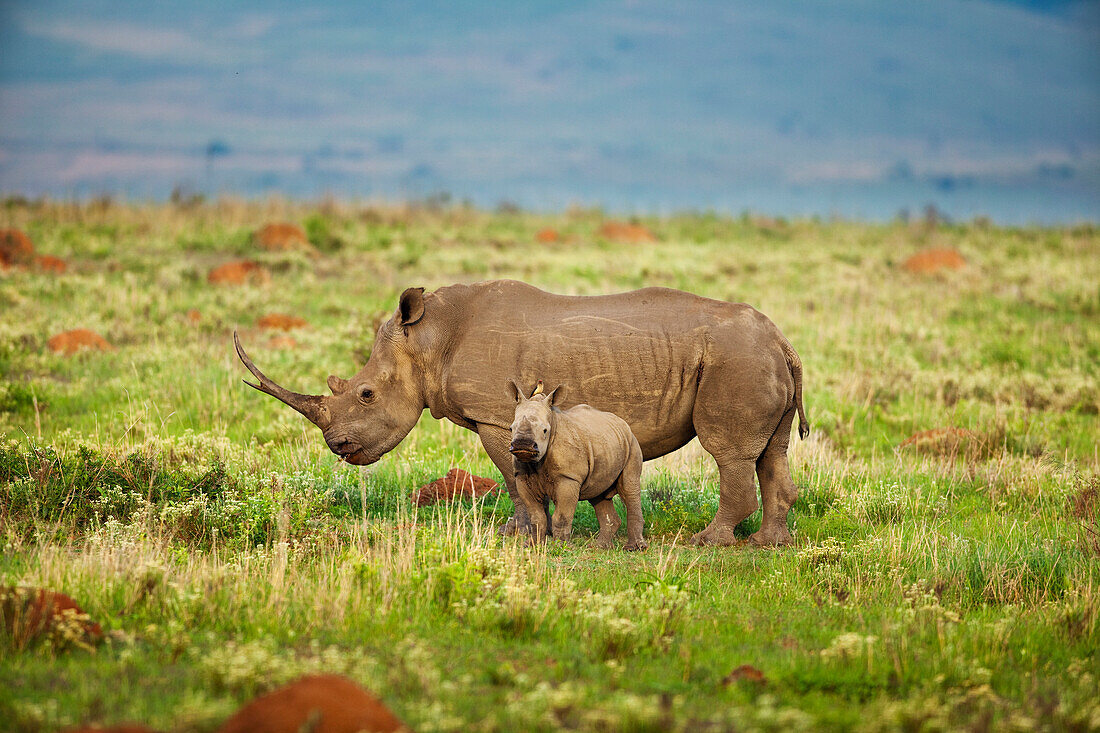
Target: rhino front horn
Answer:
pixel 312 406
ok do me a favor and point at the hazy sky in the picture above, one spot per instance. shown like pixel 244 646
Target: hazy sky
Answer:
pixel 839 106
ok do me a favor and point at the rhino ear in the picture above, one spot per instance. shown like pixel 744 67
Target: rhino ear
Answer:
pixel 552 395
pixel 517 392
pixel 412 306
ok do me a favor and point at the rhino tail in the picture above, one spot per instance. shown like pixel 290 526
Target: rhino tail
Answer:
pixel 795 365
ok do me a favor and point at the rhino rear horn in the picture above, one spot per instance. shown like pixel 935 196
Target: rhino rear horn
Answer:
pixel 312 406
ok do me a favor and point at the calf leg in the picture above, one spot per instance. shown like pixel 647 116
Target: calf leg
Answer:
pixel 566 493
pixel 609 522
pixel 495 441
pixel 538 526
pixel 629 485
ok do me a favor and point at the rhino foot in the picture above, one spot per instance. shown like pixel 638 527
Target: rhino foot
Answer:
pixel 720 536
pixel 508 529
pixel 603 544
pixel 771 537
pixel 636 546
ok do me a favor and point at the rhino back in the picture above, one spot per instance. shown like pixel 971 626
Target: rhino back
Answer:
pixel 638 355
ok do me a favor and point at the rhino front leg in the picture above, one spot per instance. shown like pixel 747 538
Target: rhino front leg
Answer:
pixel 566 494
pixel 533 505
pixel 609 522
pixel 495 441
pixel 630 489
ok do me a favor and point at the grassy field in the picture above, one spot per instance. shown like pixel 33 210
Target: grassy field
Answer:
pixel 931 587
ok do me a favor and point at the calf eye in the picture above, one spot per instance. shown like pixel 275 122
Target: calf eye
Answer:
pixel 366 394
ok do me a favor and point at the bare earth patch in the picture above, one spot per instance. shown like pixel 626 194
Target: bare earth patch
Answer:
pixel 30 614
pixel 49 263
pixel 933 260
pixel 619 231
pixel 239 273
pixel 321 704
pixel 455 484
pixel 76 340
pixel 282 342
pixel 938 440
pixel 547 236
pixel 281 237
pixel 281 322
pixel 745 673
pixel 16 248
pixel 124 728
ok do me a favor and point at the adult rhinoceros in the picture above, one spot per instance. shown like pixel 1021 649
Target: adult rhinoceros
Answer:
pixel 672 364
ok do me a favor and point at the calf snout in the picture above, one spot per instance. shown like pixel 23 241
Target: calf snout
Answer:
pixel 525 449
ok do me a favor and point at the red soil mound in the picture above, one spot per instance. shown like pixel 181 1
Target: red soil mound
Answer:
pixel 125 728
pixel 281 322
pixel 49 263
pixel 281 237
pixel 29 613
pixel 938 439
pixel 79 339
pixel 745 673
pixel 239 273
pixel 456 483
pixel 618 231
pixel 16 248
pixel 321 704
pixel 934 260
pixel 282 342
pixel 548 235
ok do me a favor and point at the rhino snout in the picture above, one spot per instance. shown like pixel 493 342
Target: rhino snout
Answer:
pixel 341 446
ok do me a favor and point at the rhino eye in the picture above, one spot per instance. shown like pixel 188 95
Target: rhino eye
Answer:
pixel 366 394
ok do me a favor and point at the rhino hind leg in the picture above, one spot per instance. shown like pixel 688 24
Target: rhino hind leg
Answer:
pixel 736 501
pixel 777 488
pixel 629 486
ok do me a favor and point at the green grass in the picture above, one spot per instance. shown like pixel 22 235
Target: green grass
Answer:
pixel 224 549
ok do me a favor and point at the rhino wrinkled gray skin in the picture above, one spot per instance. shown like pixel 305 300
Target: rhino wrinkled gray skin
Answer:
pixel 568 455
pixel 672 364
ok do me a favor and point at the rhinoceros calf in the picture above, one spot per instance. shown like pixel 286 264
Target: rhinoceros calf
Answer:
pixel 568 455
pixel 672 364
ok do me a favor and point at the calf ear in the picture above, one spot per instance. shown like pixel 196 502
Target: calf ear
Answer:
pixel 412 306
pixel 552 395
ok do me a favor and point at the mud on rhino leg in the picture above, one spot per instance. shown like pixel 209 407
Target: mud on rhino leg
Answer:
pixel 495 441
pixel 736 500
pixel 777 488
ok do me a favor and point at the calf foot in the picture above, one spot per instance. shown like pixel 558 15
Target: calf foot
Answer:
pixel 773 536
pixel 720 535
pixel 603 543
pixel 636 546
pixel 509 528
